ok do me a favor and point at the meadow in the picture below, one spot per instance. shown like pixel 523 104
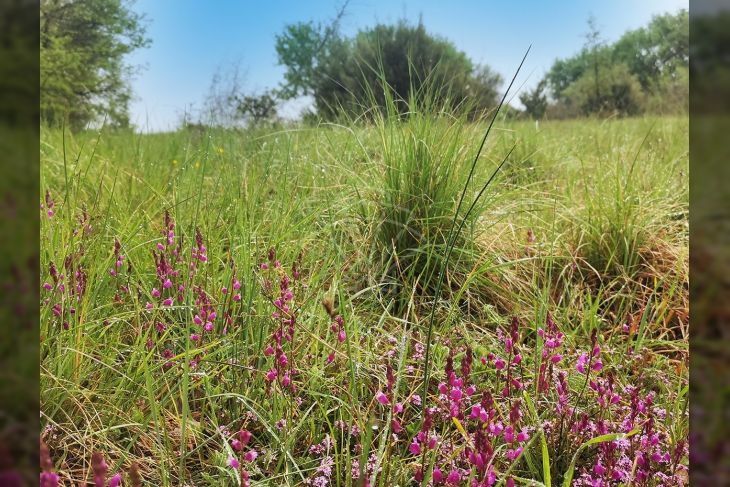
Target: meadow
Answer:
pixel 262 306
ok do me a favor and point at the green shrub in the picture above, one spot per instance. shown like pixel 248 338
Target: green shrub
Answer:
pixel 340 72
pixel 613 90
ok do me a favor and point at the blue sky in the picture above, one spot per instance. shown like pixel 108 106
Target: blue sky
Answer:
pixel 192 39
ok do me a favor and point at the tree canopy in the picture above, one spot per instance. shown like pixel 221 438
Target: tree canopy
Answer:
pixel 645 63
pixel 351 73
pixel 83 46
pixel 535 100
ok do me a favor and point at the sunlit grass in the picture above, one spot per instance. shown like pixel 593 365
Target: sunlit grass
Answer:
pixel 587 223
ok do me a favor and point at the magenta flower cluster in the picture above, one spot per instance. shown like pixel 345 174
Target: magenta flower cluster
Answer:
pixel 66 290
pixel 493 435
pixel 100 469
pixel 243 455
pixel 284 315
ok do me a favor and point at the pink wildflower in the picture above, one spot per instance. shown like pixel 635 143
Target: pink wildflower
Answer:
pixel 453 477
pixel 437 475
pixel 414 448
pixel 244 436
pixel 250 456
pixel 522 436
pixel 233 462
pixel 580 366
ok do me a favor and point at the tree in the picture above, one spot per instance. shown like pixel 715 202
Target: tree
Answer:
pixel 565 71
pixel 593 44
pixel 257 109
pixel 535 100
pixel 220 105
pixel 351 74
pixel 655 55
pixel 83 47
pixel 300 47
pixel 657 50
pixel 614 91
pixel 228 105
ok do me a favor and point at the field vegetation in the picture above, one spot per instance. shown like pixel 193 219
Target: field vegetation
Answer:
pixel 227 307
pixel 414 284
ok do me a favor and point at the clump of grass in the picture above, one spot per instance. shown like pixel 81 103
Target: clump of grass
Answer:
pixel 629 203
pixel 426 154
pixel 423 159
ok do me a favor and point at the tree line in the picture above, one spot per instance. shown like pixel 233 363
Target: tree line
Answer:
pixel 646 70
pixel 85 76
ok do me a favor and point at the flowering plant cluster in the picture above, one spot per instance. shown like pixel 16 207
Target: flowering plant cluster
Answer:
pixel 282 368
pixel 498 421
pixel 243 454
pixel 337 327
pixel 488 420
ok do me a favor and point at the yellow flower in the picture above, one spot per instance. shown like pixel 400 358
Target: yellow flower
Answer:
pixel 174 162
pixel 197 164
pixel 220 150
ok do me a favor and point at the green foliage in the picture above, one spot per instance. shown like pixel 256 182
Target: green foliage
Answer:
pixel 630 199
pixel 535 101
pixel 322 191
pixel 652 61
pixel 671 93
pixel 565 71
pixel 227 104
pixel 82 49
pixel 424 162
pixel 256 109
pixel 659 49
pixel 347 74
pixel 615 90
pixel 299 48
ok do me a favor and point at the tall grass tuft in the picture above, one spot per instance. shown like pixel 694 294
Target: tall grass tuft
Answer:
pixel 423 157
pixel 627 206
pixel 426 144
